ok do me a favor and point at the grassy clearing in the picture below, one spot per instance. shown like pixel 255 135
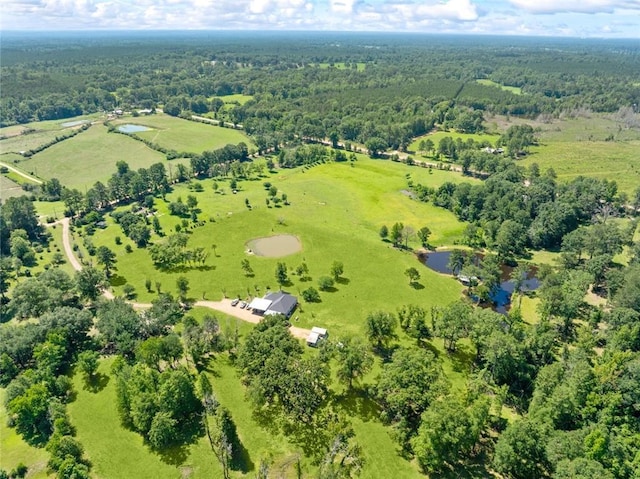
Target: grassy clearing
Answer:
pixel 89 157
pixel 238 98
pixel 578 146
pixel 49 209
pixel 13 449
pixel 337 211
pixel 435 137
pixel 9 188
pixel 513 89
pixel 617 161
pixel 184 135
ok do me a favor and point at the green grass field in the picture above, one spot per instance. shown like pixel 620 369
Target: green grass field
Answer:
pixel 337 211
pixel 184 135
pixel 13 449
pixel 16 144
pixel 578 146
pixel 48 125
pixel 238 98
pixel 513 89
pixel 89 157
pixel 9 188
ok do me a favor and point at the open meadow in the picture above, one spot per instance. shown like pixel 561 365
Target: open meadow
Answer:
pixel 89 157
pixel 9 188
pixel 337 211
pixel 184 135
pixel 598 147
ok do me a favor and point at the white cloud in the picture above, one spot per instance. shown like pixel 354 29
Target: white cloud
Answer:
pixel 511 17
pixel 575 6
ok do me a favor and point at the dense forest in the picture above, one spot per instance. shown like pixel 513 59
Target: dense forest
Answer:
pixel 390 88
pixel 558 397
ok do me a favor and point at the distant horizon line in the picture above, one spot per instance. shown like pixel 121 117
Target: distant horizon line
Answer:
pixel 311 32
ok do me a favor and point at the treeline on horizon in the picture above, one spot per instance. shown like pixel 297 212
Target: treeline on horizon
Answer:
pixel 391 87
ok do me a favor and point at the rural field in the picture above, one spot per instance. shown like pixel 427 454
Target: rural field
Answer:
pixel 89 157
pixel 337 211
pixel 142 365
pixel 184 135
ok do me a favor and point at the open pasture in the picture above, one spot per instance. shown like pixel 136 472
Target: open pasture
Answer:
pixel 184 135
pixel 89 157
pixel 9 188
pixel 237 98
pixel 336 210
pixel 513 89
pixel 575 147
pixel 47 125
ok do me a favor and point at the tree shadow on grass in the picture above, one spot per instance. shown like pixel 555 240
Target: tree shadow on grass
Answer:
pixel 462 359
pixel 416 286
pixel 190 432
pixel 311 437
pixel 330 289
pixel 97 383
pixel 268 418
pixel 357 403
pixel 117 280
pixel 240 460
pixel 343 281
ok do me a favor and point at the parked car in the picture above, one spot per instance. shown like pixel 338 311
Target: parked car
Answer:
pixel 235 301
pixel 243 304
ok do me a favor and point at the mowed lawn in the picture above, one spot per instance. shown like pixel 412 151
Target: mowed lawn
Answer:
pixel 14 450
pixel 184 135
pixel 336 211
pixel 89 157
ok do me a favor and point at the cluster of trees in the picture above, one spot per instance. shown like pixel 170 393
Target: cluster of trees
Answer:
pixel 514 209
pixel 134 225
pixel 124 185
pixel 173 253
pixel 221 162
pixel 400 233
pixel 35 359
pixel 159 405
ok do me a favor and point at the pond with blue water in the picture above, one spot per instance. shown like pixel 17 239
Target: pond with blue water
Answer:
pixel 130 128
pixel 500 296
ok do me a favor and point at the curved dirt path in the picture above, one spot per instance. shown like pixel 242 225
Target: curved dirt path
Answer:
pixel 224 306
pixel 21 173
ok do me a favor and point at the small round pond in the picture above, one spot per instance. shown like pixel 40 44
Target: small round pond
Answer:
pixel 275 246
pixel 130 128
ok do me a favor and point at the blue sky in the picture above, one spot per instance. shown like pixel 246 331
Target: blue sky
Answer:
pixel 577 18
